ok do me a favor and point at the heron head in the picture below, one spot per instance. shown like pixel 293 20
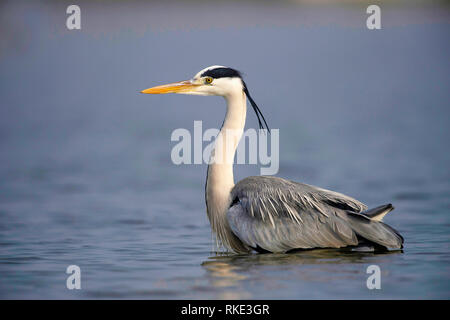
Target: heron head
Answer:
pixel 211 81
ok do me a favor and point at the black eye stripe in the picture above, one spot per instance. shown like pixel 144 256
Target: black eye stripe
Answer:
pixel 221 73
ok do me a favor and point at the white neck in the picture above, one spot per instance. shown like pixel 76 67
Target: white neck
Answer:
pixel 220 179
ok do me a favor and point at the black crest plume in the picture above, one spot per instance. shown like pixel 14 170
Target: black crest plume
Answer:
pixel 258 112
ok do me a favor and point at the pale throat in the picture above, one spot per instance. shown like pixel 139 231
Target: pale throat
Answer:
pixel 220 178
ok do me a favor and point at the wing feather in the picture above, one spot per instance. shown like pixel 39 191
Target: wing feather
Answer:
pixel 278 215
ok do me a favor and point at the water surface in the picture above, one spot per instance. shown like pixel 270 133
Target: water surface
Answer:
pixel 85 171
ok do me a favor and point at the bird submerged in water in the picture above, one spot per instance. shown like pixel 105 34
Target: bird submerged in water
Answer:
pixel 271 214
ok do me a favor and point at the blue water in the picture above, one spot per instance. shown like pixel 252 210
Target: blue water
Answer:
pixel 86 176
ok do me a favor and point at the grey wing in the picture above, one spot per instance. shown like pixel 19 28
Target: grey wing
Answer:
pixel 278 215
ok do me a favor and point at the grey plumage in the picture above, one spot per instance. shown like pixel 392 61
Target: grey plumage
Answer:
pixel 278 215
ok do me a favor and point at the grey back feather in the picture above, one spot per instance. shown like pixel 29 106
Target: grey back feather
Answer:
pixel 278 215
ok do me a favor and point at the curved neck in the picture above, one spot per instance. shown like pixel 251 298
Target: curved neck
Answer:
pixel 220 179
pixel 222 156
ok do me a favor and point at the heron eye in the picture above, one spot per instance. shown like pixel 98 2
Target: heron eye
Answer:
pixel 208 80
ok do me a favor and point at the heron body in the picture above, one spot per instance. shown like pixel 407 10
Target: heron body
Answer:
pixel 271 214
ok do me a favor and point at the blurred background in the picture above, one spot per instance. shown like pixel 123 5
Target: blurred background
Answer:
pixel 86 176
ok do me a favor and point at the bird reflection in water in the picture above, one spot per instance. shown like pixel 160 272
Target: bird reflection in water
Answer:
pixel 228 273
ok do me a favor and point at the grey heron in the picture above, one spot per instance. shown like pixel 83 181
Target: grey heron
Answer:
pixel 267 213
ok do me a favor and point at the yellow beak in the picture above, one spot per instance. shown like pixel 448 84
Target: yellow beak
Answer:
pixel 176 87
